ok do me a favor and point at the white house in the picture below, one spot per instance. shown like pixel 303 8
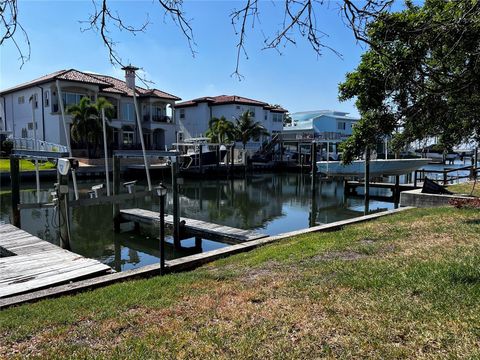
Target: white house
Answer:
pixel 325 126
pixel 156 108
pixel 192 117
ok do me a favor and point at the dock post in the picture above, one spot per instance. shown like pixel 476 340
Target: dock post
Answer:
pixel 396 191
pixel 116 191
pixel 117 255
pixel 313 157
pixel 162 233
pixel 198 243
pixel 200 159
pixel 176 210
pixel 63 211
pixel 313 212
pixel 367 180
pixel 298 152
pixel 232 158
pixel 15 185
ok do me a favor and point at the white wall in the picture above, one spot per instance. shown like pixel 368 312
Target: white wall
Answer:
pixel 196 119
pixel 19 115
pixel 195 122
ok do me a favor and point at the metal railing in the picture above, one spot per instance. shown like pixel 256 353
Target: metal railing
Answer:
pixel 447 176
pixel 37 145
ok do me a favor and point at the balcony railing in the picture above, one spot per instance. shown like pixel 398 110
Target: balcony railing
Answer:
pixel 37 145
pixel 158 118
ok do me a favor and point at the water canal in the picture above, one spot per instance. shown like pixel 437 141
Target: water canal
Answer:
pixel 269 203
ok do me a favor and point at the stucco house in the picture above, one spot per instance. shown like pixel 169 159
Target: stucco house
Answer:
pixel 156 108
pixel 192 117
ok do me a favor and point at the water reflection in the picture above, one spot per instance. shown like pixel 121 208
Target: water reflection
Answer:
pixel 269 203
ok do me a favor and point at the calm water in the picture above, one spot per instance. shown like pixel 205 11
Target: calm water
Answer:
pixel 268 203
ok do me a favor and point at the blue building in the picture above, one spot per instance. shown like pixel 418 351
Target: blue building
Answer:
pixel 326 127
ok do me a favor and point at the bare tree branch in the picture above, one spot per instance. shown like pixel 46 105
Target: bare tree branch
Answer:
pixel 9 26
pixel 249 11
pixel 175 9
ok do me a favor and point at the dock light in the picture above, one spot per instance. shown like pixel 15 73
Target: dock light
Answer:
pixel 130 185
pixel 162 192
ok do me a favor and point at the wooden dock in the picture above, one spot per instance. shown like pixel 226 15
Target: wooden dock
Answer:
pixel 28 263
pixel 194 228
pixel 350 189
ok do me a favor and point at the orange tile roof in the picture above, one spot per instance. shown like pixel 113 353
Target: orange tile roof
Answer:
pixel 105 82
pixel 229 99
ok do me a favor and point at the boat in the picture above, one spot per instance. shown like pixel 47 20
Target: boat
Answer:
pixel 195 149
pixel 377 167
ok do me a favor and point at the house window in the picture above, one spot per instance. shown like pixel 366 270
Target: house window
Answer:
pixel 341 125
pixel 128 112
pixel 127 137
pixel 277 117
pixel 238 107
pixel 21 99
pixel 70 98
pixel 182 113
pixel 30 126
pixel 35 101
pixel 47 98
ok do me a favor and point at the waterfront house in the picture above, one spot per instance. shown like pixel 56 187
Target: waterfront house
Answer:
pixel 156 108
pixel 193 116
pixel 325 126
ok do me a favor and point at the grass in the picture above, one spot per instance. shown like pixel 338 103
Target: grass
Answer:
pixel 25 165
pixel 402 286
pixel 465 188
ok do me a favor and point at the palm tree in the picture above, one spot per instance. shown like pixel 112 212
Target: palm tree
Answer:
pixel 85 121
pixel 87 125
pixel 220 130
pixel 246 129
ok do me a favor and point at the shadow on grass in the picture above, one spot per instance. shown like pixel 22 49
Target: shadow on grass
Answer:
pixel 472 221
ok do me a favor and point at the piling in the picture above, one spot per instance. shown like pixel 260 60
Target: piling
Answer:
pixel 176 210
pixel 313 158
pixel 15 186
pixel 63 211
pixel 396 191
pixel 232 158
pixel 367 180
pixel 198 243
pixel 116 191
pixel 200 158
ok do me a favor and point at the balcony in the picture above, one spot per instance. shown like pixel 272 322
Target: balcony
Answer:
pixel 158 118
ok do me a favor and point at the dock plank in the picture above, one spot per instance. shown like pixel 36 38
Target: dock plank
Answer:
pixel 193 227
pixel 37 264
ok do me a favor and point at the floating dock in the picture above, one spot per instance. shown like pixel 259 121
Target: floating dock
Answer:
pixel 194 228
pixel 28 263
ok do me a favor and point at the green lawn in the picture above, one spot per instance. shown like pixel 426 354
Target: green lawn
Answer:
pixel 25 165
pixel 401 286
pixel 465 188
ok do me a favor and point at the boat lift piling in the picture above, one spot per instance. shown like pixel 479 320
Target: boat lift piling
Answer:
pixel 367 179
pixel 15 186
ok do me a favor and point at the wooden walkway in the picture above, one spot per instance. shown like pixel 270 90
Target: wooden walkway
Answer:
pixel 28 263
pixel 202 229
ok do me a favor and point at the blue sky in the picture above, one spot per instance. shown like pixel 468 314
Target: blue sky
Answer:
pixel 297 79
